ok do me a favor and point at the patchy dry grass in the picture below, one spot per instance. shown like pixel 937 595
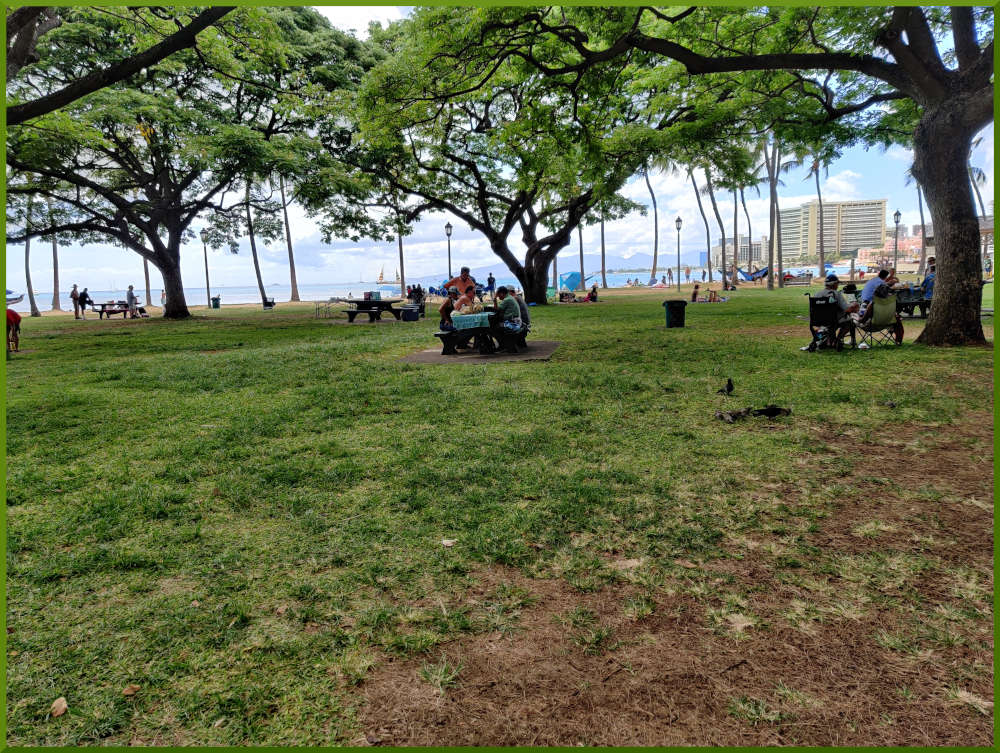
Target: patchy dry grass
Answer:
pixel 264 560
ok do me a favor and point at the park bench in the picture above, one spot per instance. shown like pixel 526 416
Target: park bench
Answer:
pixel 908 300
pixel 483 339
pixel 373 314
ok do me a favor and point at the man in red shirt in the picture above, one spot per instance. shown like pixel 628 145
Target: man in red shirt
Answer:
pixel 13 330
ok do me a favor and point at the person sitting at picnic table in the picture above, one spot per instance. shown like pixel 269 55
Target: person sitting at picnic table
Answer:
pixel 845 320
pixel 883 291
pixel 928 282
pixel 508 310
pixel 461 282
pixel 468 298
pixel 592 295
pixel 522 306
pixel 446 308
pixel 892 279
pixel 868 291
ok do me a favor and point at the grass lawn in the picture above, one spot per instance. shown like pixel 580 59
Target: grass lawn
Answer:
pixel 229 531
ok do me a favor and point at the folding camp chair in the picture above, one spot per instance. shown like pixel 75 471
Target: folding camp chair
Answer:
pixel 824 323
pixel 880 329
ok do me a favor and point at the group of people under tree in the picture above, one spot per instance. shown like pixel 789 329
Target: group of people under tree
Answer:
pixel 853 314
pixel 511 308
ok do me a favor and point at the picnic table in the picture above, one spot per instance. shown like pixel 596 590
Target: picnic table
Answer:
pixel 909 298
pixel 373 308
pixel 116 307
pixel 484 330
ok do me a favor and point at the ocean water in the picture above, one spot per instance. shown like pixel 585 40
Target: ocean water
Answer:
pixel 320 292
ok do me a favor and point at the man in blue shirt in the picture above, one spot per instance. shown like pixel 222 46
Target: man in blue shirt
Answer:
pixel 928 284
pixel 868 291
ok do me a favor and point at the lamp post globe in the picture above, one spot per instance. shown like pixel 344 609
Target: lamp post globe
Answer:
pixel 447 231
pixel 678 222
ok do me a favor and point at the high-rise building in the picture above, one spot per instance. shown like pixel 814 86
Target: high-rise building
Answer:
pixel 750 253
pixel 847 226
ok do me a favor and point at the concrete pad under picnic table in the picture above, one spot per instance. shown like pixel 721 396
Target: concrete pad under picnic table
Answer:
pixel 537 350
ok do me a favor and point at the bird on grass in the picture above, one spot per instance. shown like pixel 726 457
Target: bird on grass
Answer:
pixel 727 390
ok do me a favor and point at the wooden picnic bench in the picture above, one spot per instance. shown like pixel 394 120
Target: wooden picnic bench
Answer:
pixel 486 339
pixel 374 308
pixel 117 307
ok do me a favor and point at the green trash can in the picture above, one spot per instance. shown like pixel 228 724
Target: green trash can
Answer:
pixel 675 313
pixel 216 300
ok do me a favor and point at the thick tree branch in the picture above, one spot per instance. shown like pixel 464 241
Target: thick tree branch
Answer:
pixel 179 40
pixel 963 28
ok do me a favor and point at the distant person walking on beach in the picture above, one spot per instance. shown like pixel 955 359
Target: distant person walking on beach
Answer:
pixel 163 298
pixel 670 276
pixel 703 275
pixel 74 295
pixel 687 274
pixel 133 303
pixel 84 300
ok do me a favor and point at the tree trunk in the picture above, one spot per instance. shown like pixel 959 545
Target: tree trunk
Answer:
pixel 583 281
pixel 291 256
pixel 772 203
pixel 27 276
pixel 941 146
pixel 604 274
pixel 145 271
pixel 656 221
pixel 776 163
pixel 253 249
pixel 736 233
pixel 704 218
pixel 923 234
pixel 746 212
pixel 55 275
pixel 722 229
pixel 176 305
pixel 402 271
pixel 819 198
pixel 534 278
pixel 555 274
pixel 27 263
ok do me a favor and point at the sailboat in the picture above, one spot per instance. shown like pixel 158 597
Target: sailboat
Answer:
pixel 398 280
pixel 381 276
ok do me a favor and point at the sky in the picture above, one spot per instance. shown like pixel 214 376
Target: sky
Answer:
pixel 858 174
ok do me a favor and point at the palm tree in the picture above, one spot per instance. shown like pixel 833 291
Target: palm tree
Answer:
pixel 718 218
pixel 814 171
pixel 55 264
pixel 253 244
pixel 656 219
pixel 923 228
pixel 27 262
pixel 579 235
pixel 288 241
pixel 604 275
pixel 145 271
pixel 708 232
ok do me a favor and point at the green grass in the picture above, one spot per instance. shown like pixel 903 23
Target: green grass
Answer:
pixel 242 513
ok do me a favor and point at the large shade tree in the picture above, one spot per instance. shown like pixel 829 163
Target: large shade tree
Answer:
pixel 139 161
pixel 918 76
pixel 520 161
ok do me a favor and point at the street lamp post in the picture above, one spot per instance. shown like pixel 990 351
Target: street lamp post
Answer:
pixel 447 231
pixel 204 248
pixel 678 223
pixel 895 242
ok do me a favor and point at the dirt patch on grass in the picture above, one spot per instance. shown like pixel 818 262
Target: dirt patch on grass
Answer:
pixel 781 667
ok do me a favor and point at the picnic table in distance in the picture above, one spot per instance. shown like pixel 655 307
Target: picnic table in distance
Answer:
pixel 116 307
pixel 373 308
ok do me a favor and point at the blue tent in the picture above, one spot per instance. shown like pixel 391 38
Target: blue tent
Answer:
pixel 571 280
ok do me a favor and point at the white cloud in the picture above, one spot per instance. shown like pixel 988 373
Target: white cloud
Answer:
pixel 357 17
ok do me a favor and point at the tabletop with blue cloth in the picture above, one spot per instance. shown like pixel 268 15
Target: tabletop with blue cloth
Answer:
pixel 468 321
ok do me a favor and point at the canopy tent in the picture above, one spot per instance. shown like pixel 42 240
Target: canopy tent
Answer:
pixel 571 280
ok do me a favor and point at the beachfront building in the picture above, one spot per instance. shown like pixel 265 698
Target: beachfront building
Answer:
pixel 847 226
pixel 750 253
